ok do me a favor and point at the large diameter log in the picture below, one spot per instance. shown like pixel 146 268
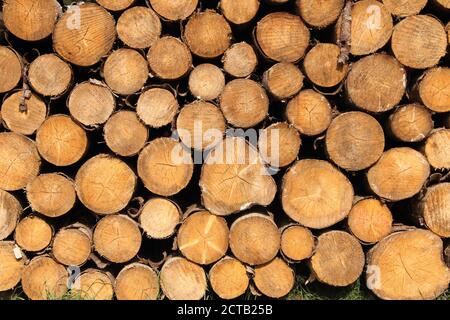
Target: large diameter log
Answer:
pixel 137 281
pixel 399 174
pixel 234 178
pixel 254 239
pixel 354 141
pixel 338 259
pixel 10 69
pixel 203 237
pixel 319 14
pixel 174 10
pixel 165 166
pixel 376 83
pixel 30 20
pixel 229 278
pixel 10 211
pixel 10 265
pixel 157 107
pixel 282 37
pixel 437 149
pixel 434 89
pixel 105 184
pixel 315 194
pixel 297 243
pixel 206 81
pixel 419 41
pixel 115 5
pixel 408 265
pixel 94 285
pixel 239 12
pixel 283 80
pixel 181 279
pixel 87 27
pixel 274 279
pixel 72 245
pixel 33 234
pixel 44 279
pixel 404 8
pixel 159 218
pixel 207 34
pixel 240 60
pixel 117 238
pixel 20 162
pixel 410 123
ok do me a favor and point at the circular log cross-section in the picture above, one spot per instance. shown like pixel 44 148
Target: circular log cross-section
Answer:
pixel 434 89
pixel 315 194
pixel 165 166
pixel 94 285
pixel 19 161
pixel 72 245
pixel 282 37
pixel 92 34
pixel 408 266
pixel 157 107
pixel 319 14
pixel 354 141
pixel 61 141
pixel 51 194
pixel 159 218
pixel 115 5
pixel 419 42
pixel 254 239
pixel 410 123
pixel 203 237
pixel 105 184
pixel 9 214
pixel 117 238
pixel 10 69
pixel 404 8
pixel 240 60
pixel 174 10
pixel 181 279
pixel 239 12
pixel 283 80
pixel 206 82
pixel 376 83
pixel 399 174
pixel 33 234
pixel 274 279
pixel 297 243
pixel 11 266
pixel 228 278
pixel 137 281
pixel 437 149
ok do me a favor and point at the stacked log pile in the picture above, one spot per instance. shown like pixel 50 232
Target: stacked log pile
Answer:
pixel 178 149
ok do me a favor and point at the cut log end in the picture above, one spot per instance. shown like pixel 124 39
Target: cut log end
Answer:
pixel 159 218
pixel 33 234
pixel 9 215
pixel 434 89
pixel 240 60
pixel 11 266
pixel 72 245
pixel 410 123
pixel 174 10
pixel 274 279
pixel 239 12
pixel 297 243
pixel 94 285
pixel 228 278
pixel 137 281
pixel 319 14
pixel 157 107
pixel 437 149
pixel 115 5
pixel 405 8
pixel 206 82
pixel 283 80
pixel 10 69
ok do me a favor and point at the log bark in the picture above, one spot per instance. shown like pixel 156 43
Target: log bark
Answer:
pixel 9 215
pixel 410 123
pixel 283 80
pixel 72 245
pixel 206 82
pixel 437 148
pixel 274 279
pixel 33 234
pixel 433 89
pixel 10 69
pixel 137 281
pixel 297 243
pixel 229 278
pixel 10 265
pixel 157 107
pixel 319 14
pixel 240 60
pixel 159 218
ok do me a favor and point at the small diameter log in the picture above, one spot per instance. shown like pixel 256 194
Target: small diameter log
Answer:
pixel 159 218
pixel 319 14
pixel 10 211
pixel 316 194
pixel 10 69
pixel 125 71
pixel 274 279
pixel 94 285
pixel 44 279
pixel 115 5
pixel 354 141
pixel 31 20
pixel 338 259
pixel 137 281
pixel 72 245
pixel 117 238
pixel 244 103
pixel 49 75
pixel 408 265
pixel 165 166
pixel 279 144
pixel 33 234
pixel 370 220
pixel 169 58
pixel 437 149
pixel 322 67
pixel 297 243
pixel 206 81
pixel 399 174
pixel 24 122
pixel 240 60
pixel 61 141
pixel 282 37
pixel 203 237
pixel 200 125
pixel 309 112
pixel 139 27
pixel 234 178
pixel 181 279
pixel 51 194
pixel 92 31
pixel 434 89
pixel 91 103
pixel 239 12
pixel 174 10
pixel 254 239
pixel 410 123
pixel 125 134
pixel 10 265
pixel 434 209
pixel 157 107
pixel 419 41
pixel 207 34
pixel 283 80
pixel 105 184
pixel 404 8
pixel 228 278
pixel 376 83
pixel 19 161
